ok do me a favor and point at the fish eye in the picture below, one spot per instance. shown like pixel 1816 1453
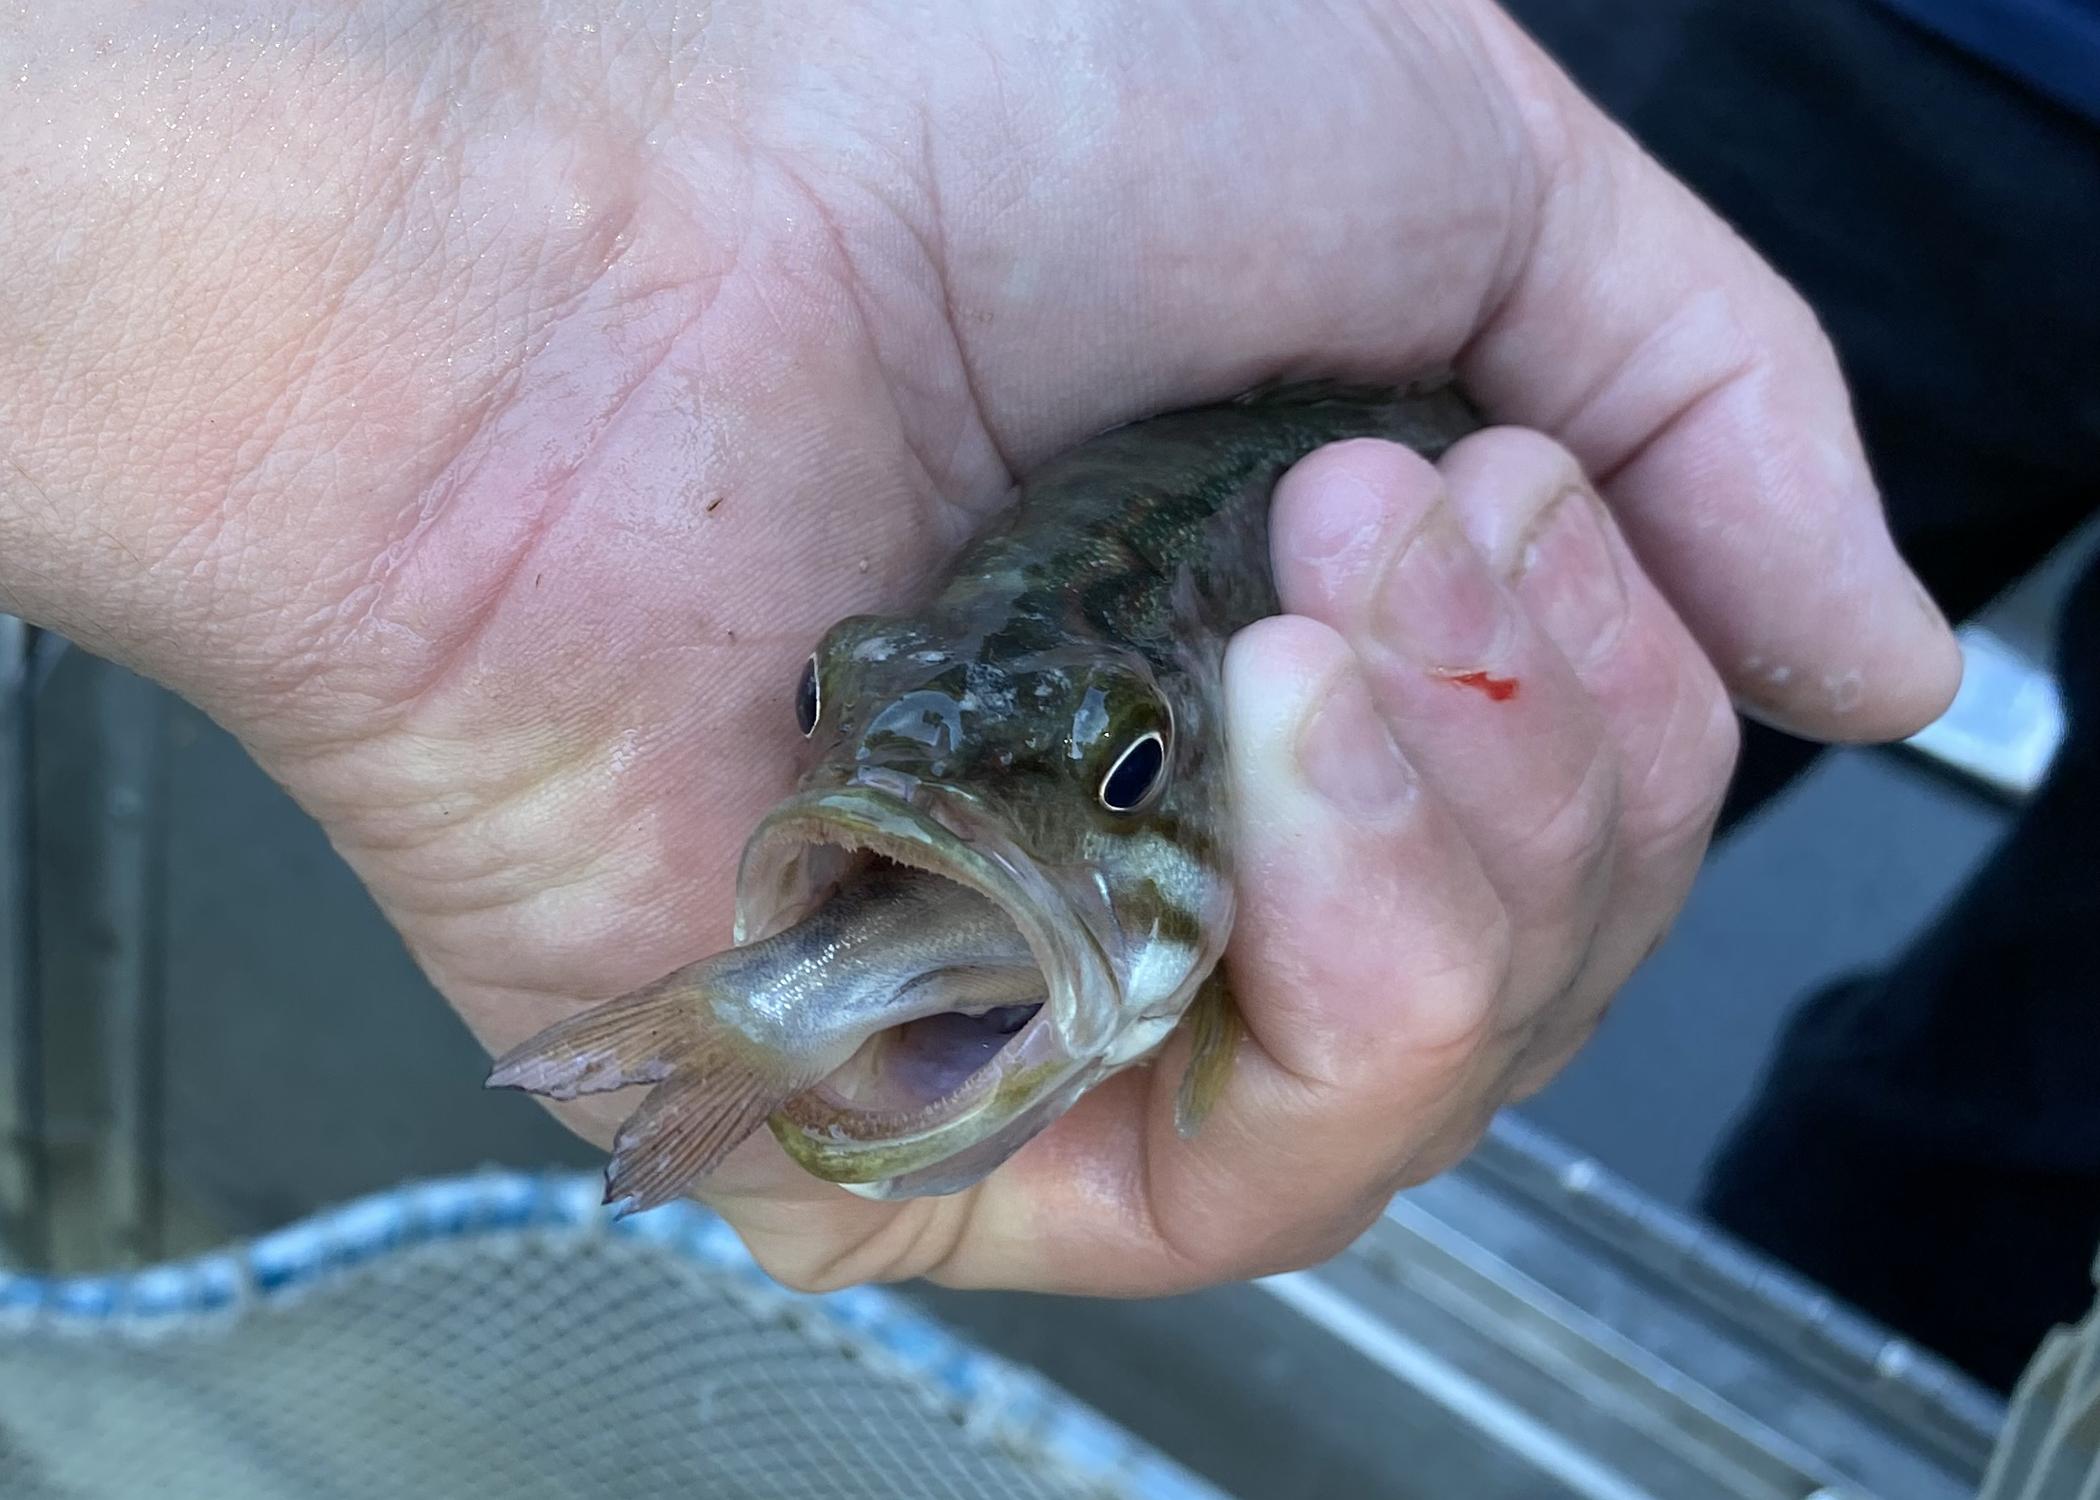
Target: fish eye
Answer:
pixel 1137 774
pixel 809 701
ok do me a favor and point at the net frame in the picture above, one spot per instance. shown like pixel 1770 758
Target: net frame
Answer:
pixel 1008 1420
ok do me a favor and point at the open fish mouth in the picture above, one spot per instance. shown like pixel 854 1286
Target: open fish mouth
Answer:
pixel 934 1102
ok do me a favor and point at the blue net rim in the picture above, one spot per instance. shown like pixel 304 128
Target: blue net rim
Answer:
pixel 979 1387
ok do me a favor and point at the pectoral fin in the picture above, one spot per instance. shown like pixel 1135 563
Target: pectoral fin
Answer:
pixel 1215 1028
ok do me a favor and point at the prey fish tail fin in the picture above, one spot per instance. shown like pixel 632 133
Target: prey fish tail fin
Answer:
pixel 682 1131
pixel 1215 1029
pixel 714 1087
pixel 637 1038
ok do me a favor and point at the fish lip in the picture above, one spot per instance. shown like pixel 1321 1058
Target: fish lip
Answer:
pixel 949 836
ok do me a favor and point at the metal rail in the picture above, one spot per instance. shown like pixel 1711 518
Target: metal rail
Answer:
pixel 24 1195
pixel 81 963
pixel 1582 1343
pixel 1761 1300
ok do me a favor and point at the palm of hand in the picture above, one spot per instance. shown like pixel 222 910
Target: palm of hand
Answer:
pixel 746 381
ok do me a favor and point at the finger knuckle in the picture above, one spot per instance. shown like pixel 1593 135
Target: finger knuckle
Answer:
pixel 917 1241
pixel 1574 835
pixel 1680 794
pixel 798 1273
pixel 1532 462
pixel 1445 1150
pixel 1540 1063
pixel 1262 1238
pixel 1308 1242
pixel 1450 1016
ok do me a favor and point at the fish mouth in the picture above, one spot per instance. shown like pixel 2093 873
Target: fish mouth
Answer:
pixel 935 1103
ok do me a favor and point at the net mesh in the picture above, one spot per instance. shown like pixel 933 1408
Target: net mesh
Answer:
pixel 536 1353
pixel 2050 1448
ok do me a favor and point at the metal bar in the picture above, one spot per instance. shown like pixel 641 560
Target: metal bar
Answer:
pixel 1936 1405
pixel 1591 1410
pixel 24 1179
pixel 2051 1446
pixel 99 873
pixel 1578 1348
pixel 126 826
pixel 1517 1329
pixel 1478 1403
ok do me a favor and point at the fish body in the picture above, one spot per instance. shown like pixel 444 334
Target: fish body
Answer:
pixel 1031 769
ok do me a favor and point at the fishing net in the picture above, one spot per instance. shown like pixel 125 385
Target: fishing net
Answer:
pixel 2050 1449
pixel 496 1336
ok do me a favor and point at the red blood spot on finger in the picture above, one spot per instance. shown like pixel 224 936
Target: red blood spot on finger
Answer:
pixel 1501 689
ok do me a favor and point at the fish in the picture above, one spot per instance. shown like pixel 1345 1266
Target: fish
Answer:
pixel 1005 872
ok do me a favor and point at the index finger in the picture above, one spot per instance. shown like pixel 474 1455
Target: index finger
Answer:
pixel 1698 391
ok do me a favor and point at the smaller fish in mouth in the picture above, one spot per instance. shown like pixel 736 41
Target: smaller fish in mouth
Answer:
pixel 1007 871
pixel 882 1012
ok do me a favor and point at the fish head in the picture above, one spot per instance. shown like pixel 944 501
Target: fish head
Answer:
pixel 1079 786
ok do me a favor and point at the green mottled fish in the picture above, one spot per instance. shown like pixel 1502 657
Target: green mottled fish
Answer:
pixel 1007 872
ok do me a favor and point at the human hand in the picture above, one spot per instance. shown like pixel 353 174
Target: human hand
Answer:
pixel 482 414
pixel 1446 874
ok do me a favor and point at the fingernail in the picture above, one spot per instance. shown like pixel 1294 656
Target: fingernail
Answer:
pixel 1347 755
pixel 1568 577
pixel 1438 600
pixel 1345 513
